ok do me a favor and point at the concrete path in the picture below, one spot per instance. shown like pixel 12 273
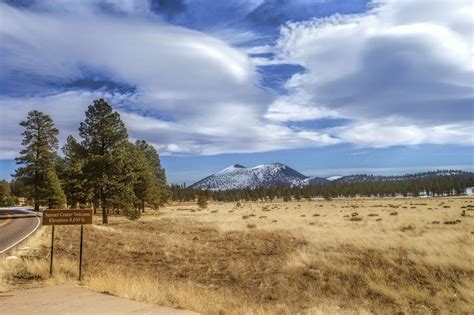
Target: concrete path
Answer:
pixel 70 299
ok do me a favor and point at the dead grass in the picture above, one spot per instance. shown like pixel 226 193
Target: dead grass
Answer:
pixel 221 262
pixel 29 265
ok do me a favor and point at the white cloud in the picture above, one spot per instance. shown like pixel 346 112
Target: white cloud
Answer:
pixel 244 132
pixel 207 89
pixel 296 108
pixel 403 59
pixel 384 133
pixel 399 65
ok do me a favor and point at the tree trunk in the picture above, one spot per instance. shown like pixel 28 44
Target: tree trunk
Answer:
pixel 105 217
pixel 143 205
pixel 36 201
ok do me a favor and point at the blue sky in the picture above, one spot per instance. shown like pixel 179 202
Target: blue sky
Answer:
pixel 328 87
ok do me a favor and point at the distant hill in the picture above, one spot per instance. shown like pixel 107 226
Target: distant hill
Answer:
pixel 237 176
pixel 276 174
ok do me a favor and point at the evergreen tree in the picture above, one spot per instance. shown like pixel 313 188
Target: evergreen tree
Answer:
pixel 37 173
pixel 6 198
pixel 160 192
pixel 55 195
pixel 75 186
pixel 18 188
pixel 145 184
pixel 104 141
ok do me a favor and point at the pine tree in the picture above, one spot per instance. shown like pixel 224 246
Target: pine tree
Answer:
pixel 145 184
pixel 6 198
pixel 104 141
pixel 37 173
pixel 55 195
pixel 161 192
pixel 73 179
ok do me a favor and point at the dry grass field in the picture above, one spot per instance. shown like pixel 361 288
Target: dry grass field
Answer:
pixel 351 256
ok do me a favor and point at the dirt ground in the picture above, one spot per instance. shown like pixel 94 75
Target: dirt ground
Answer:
pixel 348 256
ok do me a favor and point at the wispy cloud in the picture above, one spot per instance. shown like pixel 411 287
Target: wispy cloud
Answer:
pixel 400 74
pixel 408 65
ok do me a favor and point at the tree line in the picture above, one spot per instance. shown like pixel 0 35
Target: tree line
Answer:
pixel 102 169
pixel 448 185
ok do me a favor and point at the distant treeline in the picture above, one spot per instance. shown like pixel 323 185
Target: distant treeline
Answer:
pixel 413 176
pixel 440 185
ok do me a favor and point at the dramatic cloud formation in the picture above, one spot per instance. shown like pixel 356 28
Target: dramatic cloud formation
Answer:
pixel 399 74
pixel 404 71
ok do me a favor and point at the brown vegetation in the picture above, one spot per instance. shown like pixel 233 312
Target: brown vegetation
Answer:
pixel 217 263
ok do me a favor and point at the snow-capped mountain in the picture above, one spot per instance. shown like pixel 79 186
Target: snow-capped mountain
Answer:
pixel 238 176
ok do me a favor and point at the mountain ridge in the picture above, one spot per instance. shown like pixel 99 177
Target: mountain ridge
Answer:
pixel 237 176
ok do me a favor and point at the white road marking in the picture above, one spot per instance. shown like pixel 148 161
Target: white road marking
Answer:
pixel 14 244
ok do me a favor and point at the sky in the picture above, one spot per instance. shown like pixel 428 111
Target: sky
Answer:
pixel 328 87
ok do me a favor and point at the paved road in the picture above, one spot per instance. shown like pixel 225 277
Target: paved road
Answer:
pixel 71 299
pixel 16 225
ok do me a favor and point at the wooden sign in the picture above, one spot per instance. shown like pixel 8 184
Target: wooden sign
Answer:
pixel 67 217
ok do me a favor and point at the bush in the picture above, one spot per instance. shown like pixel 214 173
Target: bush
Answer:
pixel 202 201
pixel 132 214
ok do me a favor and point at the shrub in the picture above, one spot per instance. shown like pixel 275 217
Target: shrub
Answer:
pixel 409 227
pixel 132 213
pixel 202 201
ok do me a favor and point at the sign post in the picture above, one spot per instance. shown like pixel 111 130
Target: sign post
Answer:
pixel 67 217
pixel 80 254
pixel 52 251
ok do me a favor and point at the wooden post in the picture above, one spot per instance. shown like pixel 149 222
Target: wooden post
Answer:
pixel 80 254
pixel 52 252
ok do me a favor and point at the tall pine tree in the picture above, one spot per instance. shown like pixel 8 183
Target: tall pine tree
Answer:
pixel 37 173
pixel 105 139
